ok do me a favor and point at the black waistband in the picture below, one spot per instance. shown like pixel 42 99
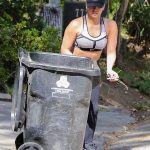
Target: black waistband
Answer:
pixel 89 49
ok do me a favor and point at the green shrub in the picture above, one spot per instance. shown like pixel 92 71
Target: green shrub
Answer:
pixel 142 82
pixel 137 25
pixel 21 25
pixel 142 106
pixel 12 37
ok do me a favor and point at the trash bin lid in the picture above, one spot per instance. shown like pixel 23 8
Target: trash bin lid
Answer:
pixel 58 62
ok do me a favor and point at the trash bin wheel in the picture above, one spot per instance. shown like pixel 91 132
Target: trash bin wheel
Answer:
pixel 31 146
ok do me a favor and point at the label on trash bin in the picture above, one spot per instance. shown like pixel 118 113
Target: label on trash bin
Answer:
pixel 62 91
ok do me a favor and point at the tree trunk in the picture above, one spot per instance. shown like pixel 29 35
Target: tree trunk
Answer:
pixel 119 18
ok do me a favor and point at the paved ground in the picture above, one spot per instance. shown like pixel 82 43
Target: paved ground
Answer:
pixel 7 137
pixel 111 133
pixel 135 139
pixel 110 120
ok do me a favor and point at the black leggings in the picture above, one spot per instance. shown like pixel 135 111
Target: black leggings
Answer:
pixel 92 116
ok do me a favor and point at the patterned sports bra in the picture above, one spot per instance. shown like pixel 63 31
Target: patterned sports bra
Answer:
pixel 87 42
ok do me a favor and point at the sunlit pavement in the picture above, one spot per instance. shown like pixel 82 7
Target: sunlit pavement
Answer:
pixel 136 139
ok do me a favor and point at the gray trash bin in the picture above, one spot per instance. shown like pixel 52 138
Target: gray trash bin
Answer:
pixel 54 111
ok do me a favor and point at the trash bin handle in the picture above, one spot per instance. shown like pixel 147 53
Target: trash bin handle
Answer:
pixel 19 94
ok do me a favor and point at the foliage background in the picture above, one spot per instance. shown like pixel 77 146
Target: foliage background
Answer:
pixel 21 25
pixel 134 53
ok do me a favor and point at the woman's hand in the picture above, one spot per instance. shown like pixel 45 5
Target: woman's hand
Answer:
pixel 112 76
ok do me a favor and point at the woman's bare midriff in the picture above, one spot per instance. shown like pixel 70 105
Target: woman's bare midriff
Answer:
pixel 95 55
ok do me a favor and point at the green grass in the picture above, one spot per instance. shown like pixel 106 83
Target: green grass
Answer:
pixel 143 106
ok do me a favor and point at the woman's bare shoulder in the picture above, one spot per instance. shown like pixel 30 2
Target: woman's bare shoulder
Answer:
pixel 110 24
pixel 75 24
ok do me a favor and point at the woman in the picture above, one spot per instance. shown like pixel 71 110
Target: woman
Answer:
pixel 87 36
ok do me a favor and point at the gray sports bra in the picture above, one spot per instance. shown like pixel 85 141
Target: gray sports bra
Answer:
pixel 87 42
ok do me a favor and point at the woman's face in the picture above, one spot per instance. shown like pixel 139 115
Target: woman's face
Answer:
pixel 95 11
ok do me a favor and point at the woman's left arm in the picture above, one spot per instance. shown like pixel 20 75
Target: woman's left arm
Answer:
pixel 111 50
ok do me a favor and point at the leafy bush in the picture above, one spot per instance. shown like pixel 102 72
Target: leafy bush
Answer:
pixel 113 7
pixel 21 25
pixel 137 23
pixel 14 36
pixel 34 40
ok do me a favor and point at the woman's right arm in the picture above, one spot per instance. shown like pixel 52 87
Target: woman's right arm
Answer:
pixel 69 38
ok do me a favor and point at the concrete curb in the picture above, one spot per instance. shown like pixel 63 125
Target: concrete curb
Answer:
pixel 5 97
